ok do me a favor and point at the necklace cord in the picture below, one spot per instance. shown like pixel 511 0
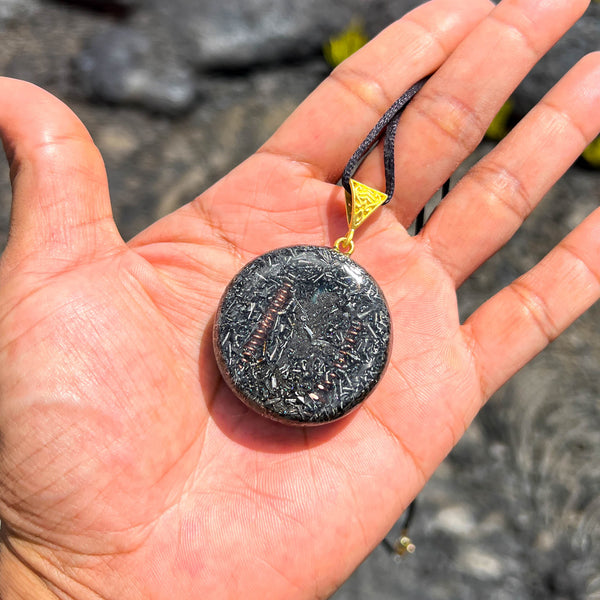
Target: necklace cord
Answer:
pixel 387 125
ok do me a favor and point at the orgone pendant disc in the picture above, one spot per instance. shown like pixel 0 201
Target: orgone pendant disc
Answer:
pixel 302 334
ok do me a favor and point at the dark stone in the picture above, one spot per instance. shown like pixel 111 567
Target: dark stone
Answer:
pixel 302 334
pixel 123 66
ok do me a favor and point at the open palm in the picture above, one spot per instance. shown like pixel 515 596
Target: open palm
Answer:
pixel 127 468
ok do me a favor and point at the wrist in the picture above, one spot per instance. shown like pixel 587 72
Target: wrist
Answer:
pixel 18 581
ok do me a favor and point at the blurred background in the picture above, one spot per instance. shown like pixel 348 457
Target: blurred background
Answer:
pixel 177 93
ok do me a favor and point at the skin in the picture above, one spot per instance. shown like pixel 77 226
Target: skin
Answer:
pixel 127 468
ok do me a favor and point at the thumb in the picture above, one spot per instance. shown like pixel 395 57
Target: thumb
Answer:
pixel 61 206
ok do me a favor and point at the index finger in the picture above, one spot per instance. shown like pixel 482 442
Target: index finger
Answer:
pixel 343 109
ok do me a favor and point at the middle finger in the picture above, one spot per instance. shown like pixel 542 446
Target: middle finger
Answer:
pixel 450 115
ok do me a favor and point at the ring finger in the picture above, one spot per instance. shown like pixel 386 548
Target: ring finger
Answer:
pixel 490 203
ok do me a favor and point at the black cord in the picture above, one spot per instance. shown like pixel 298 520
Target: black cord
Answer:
pixel 420 220
pixel 388 124
pixel 446 188
pixel 396 548
pixel 402 544
pixel 409 513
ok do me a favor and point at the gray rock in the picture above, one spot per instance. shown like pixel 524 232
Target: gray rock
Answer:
pixel 15 9
pixel 241 33
pixel 123 66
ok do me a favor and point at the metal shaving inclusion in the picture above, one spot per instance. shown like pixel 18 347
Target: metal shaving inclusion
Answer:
pixel 302 334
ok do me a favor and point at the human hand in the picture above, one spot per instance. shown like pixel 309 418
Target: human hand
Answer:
pixel 127 468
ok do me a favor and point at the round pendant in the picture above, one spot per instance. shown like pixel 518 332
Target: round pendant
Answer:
pixel 302 334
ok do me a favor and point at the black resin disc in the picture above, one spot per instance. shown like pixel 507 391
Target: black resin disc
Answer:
pixel 302 334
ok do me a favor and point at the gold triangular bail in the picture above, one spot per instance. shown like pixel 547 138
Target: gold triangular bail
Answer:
pixel 361 203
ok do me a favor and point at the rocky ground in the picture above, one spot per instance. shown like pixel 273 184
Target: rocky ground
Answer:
pixel 174 101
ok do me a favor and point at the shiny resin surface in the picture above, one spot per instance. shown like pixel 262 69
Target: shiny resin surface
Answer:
pixel 302 334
